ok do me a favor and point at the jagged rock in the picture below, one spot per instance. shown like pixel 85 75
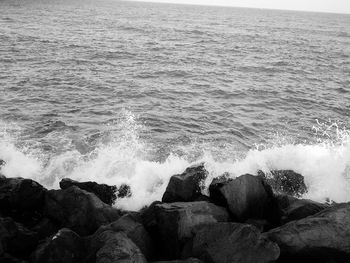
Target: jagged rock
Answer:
pixel 109 246
pixel 185 187
pixel 231 243
pixel 246 197
pixel 176 221
pixel 322 237
pixel 45 228
pixel 189 260
pixel 294 209
pixel 79 210
pixel 123 191
pixel 105 192
pixel 15 239
pixel 21 199
pixel 7 258
pixel 64 247
pixel 134 230
pixel 286 182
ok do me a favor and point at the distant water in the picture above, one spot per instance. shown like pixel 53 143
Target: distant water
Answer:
pixel 126 92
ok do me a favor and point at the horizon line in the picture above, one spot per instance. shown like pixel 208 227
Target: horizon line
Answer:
pixel 238 6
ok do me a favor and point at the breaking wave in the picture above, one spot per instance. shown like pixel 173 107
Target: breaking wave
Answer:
pixel 118 155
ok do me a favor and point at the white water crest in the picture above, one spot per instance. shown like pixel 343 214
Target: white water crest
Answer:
pixel 122 157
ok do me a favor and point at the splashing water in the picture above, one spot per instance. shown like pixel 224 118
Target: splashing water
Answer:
pixel 121 156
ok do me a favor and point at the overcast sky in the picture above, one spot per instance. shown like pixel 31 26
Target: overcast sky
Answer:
pixel 338 6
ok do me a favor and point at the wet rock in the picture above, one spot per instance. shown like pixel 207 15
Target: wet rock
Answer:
pixel 232 242
pixel 45 228
pixel 246 197
pixel 286 182
pixel 2 163
pixel 64 247
pixel 322 237
pixel 134 230
pixel 294 209
pixel 78 210
pixel 15 239
pixel 189 260
pixel 123 191
pixel 186 187
pixel 109 246
pixel 106 193
pixel 21 199
pixel 7 258
pixel 176 221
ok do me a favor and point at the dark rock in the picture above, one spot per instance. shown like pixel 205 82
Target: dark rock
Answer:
pixel 109 246
pixel 232 242
pixel 189 260
pixel 176 221
pixel 105 192
pixel 21 199
pixel 261 224
pixel 45 228
pixel 294 209
pixel 123 191
pixel 2 162
pixel 7 258
pixel 79 210
pixel 286 182
pixel 322 237
pixel 246 197
pixel 186 187
pixel 64 247
pixel 134 230
pixel 15 239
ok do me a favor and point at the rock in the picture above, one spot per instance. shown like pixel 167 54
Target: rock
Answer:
pixel 231 243
pixel 15 239
pixel 123 191
pixel 246 197
pixel 176 221
pixel 134 230
pixel 261 224
pixel 78 210
pixel 186 187
pixel 295 209
pixel 189 260
pixel 21 199
pixel 2 162
pixel 64 247
pixel 7 258
pixel 110 246
pixel 106 193
pixel 286 182
pixel 322 237
pixel 45 228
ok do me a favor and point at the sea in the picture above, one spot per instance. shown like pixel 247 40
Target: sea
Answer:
pixel 122 92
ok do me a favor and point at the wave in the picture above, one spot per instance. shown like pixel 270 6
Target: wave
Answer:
pixel 120 156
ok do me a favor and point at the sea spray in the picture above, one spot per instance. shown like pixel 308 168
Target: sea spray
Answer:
pixel 120 156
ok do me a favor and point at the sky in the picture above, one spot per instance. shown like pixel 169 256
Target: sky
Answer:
pixel 334 6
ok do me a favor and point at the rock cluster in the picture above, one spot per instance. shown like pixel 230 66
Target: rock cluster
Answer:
pixel 249 219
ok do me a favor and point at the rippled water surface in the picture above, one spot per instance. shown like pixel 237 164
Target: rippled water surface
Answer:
pixel 133 92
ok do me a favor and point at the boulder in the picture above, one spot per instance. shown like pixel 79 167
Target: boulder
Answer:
pixel 246 197
pixel 109 246
pixel 45 228
pixel 176 221
pixel 285 182
pixel 63 247
pixel 106 193
pixel 186 187
pixel 15 239
pixel 322 237
pixel 7 258
pixel 134 230
pixel 294 209
pixel 188 260
pixel 78 210
pixel 21 199
pixel 232 243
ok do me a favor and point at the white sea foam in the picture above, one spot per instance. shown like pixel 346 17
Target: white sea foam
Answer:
pixel 121 157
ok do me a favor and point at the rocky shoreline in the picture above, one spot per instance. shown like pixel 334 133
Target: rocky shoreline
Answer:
pixel 252 218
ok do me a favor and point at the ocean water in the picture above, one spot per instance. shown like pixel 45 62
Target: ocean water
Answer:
pixel 127 92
